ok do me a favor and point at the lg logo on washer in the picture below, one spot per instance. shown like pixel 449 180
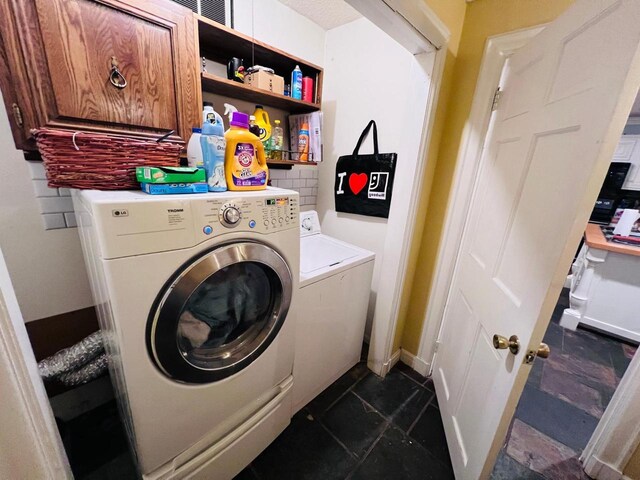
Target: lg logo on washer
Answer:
pixel 377 189
pixel 121 212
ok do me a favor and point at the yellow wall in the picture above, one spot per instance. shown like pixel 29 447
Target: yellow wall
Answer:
pixel 632 470
pixel 483 18
pixel 451 13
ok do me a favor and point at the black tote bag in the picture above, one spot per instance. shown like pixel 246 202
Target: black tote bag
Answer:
pixel 364 183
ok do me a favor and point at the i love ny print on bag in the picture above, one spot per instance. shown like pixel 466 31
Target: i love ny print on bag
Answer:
pixel 364 183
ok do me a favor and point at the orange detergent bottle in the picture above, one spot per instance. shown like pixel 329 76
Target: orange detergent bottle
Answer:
pixel 245 164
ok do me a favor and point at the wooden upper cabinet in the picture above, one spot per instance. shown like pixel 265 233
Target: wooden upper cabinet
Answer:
pixel 62 52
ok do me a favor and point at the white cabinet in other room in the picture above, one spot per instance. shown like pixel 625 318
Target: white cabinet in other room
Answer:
pixel 629 151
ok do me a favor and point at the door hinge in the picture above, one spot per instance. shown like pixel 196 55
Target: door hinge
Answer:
pixel 17 114
pixel 496 99
pixel 437 347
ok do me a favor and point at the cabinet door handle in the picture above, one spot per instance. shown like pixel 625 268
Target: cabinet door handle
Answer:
pixel 116 78
pixel 17 114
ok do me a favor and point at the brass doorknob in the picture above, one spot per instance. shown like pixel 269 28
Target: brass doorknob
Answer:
pixel 502 343
pixel 543 351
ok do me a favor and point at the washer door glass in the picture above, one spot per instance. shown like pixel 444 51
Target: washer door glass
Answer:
pixel 220 312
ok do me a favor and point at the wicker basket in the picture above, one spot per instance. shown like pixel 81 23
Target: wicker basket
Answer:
pixel 104 162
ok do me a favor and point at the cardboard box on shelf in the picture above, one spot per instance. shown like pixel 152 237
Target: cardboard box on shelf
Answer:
pixel 265 81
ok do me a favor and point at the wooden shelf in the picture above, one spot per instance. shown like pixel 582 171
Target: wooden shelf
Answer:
pixel 219 43
pixel 287 164
pixel 229 88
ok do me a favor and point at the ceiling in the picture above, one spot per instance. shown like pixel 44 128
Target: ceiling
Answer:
pixel 326 13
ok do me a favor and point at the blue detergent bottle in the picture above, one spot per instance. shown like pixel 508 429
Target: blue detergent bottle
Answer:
pixel 213 148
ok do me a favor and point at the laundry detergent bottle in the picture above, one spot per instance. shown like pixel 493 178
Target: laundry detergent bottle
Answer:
pixel 213 152
pixel 245 162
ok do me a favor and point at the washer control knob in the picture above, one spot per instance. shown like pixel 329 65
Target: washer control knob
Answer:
pixel 230 216
pixel 306 224
pixel 280 219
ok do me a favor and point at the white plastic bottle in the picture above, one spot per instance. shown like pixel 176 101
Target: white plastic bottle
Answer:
pixel 194 149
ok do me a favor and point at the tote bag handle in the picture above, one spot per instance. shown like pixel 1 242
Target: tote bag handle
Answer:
pixel 364 134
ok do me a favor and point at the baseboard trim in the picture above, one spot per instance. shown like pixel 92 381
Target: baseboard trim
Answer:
pixel 389 364
pixel 419 365
pixel 599 470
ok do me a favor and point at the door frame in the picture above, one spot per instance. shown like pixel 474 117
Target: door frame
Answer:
pixel 36 447
pixel 424 29
pixel 618 433
pixel 496 51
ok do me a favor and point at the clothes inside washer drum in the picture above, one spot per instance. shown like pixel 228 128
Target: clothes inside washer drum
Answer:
pixel 223 307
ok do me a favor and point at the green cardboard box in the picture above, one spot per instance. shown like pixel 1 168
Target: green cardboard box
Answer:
pixel 170 174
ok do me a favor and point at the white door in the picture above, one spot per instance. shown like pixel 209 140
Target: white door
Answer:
pixel 566 98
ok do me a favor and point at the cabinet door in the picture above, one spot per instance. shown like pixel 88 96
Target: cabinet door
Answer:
pixel 69 47
pixel 629 151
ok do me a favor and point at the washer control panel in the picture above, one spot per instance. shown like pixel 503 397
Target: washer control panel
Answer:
pixel 264 214
pixel 279 212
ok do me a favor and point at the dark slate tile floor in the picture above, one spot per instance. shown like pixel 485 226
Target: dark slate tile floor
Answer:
pixel 366 427
pixel 562 403
pixel 362 427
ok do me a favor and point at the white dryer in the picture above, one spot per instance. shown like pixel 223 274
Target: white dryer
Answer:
pixel 335 285
pixel 194 294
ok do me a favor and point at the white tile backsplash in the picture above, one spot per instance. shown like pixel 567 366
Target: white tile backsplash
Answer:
pixel 303 179
pixel 53 221
pixel 37 170
pixel 42 189
pixel 70 219
pixel 276 174
pixel 57 208
pixel 55 204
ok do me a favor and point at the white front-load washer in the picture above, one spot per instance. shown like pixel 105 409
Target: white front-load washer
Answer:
pixel 195 295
